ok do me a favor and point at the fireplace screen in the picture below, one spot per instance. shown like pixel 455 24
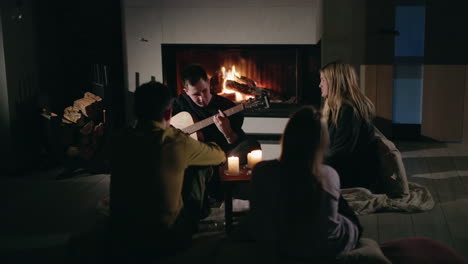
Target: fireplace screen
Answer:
pixel 288 74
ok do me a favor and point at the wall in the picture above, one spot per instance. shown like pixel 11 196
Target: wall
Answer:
pixel 377 80
pixel 344 31
pixel 80 50
pixel 409 56
pixel 19 73
pixel 4 104
pixel 407 93
pixel 465 112
pixel 443 102
pixel 46 60
pixel 360 33
pixel 446 56
pixel 148 24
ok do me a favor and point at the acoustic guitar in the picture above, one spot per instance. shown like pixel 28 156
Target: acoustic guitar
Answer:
pixel 185 122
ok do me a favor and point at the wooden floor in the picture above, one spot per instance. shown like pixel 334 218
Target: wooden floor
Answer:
pixel 40 212
pixel 443 168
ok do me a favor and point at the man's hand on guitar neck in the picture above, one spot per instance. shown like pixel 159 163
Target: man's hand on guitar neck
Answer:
pixel 224 126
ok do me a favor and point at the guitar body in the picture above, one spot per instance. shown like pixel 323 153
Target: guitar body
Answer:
pixel 183 120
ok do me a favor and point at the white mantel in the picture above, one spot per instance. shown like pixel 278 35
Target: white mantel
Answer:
pixel 148 24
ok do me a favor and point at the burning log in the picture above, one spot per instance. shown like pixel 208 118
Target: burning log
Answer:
pixel 243 88
pixel 246 80
pixel 253 90
pixel 240 84
pixel 216 82
pixel 230 96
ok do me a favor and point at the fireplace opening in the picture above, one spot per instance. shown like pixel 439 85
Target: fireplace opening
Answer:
pixel 287 74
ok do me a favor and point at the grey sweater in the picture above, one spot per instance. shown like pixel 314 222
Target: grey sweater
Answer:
pixel 340 234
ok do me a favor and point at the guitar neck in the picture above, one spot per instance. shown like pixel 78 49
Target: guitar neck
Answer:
pixel 208 121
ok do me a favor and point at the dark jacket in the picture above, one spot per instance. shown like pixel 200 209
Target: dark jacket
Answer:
pixel 353 149
pixel 211 132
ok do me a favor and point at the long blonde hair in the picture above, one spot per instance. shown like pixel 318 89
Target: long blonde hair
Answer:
pixel 343 88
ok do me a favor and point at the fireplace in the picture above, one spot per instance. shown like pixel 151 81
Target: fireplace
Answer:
pixel 288 74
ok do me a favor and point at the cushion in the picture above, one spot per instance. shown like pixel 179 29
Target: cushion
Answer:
pixel 420 250
pixel 367 251
pixel 392 179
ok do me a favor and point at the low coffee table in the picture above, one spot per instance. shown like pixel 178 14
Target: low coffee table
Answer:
pixel 229 181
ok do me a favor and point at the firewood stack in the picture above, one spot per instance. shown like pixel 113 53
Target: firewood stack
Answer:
pixel 87 117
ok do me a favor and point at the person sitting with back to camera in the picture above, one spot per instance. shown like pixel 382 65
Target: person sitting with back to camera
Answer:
pixel 155 206
pixel 296 203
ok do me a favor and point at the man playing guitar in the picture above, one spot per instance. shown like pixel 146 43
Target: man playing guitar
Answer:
pixel 201 103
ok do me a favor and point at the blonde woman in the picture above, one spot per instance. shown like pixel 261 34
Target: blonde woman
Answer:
pixel 296 202
pixel 349 114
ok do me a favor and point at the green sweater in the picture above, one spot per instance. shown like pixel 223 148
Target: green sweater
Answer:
pixel 148 167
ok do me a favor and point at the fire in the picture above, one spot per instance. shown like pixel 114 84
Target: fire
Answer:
pixel 232 74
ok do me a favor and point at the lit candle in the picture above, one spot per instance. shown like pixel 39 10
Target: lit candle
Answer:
pixel 253 158
pixel 233 165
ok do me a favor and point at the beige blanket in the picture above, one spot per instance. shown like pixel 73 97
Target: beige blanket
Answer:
pixel 365 202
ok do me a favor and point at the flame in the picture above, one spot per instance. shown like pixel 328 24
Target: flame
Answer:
pixel 232 74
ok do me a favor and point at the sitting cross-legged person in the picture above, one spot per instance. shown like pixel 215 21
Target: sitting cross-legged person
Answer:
pixel 349 115
pixel 201 103
pixel 155 206
pixel 227 132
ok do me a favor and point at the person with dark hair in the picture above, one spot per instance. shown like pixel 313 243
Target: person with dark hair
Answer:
pixel 296 203
pixel 201 103
pixel 154 206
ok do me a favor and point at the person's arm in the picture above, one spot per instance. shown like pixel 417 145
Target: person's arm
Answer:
pixel 230 127
pixel 225 127
pixel 237 121
pixel 176 108
pixel 203 154
pixel 346 135
pixel 345 210
pixel 343 230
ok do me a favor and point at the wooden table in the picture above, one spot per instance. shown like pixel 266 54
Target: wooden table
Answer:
pixel 229 181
